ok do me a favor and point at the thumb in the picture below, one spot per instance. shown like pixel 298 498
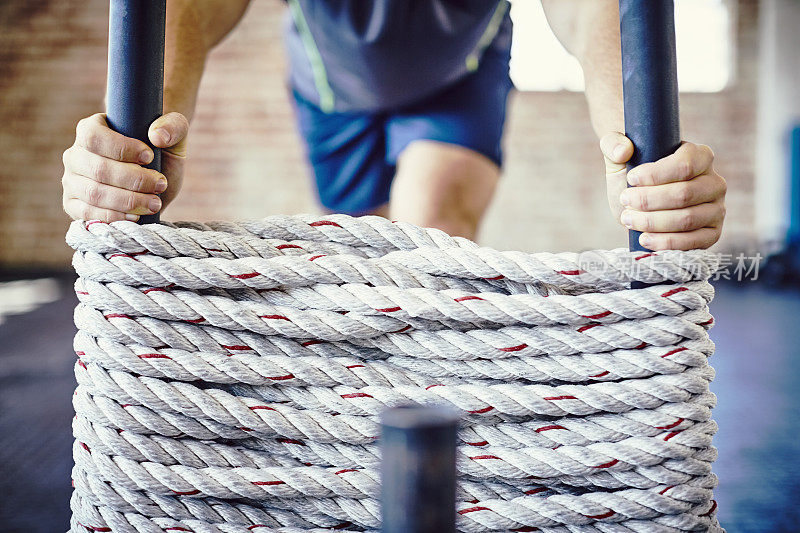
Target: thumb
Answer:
pixel 617 150
pixel 169 131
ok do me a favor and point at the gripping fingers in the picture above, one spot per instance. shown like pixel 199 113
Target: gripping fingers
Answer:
pixel 80 210
pixel 675 220
pixel 688 161
pixel 676 195
pixel 105 196
pixel 689 240
pixel 699 226
pixel 93 134
pixel 130 176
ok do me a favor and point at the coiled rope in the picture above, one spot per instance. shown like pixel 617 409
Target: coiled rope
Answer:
pixel 230 376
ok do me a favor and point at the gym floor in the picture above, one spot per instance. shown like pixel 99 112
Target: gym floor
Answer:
pixel 756 332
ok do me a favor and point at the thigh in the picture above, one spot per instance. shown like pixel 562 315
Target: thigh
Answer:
pixel 443 185
pixel 347 153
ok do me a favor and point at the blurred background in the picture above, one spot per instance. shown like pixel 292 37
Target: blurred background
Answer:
pixel 739 72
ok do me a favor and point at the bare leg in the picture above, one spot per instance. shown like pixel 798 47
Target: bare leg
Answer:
pixel 444 186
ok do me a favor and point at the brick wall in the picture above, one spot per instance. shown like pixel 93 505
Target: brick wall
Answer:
pixel 246 160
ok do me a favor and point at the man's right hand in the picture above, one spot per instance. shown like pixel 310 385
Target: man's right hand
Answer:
pixel 103 177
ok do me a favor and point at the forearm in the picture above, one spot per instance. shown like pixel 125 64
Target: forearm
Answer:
pixel 193 28
pixel 602 67
pixel 589 29
pixel 184 56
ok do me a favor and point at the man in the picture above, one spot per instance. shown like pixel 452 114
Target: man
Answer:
pixel 401 105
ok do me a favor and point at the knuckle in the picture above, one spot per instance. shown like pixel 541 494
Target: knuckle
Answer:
pixel 686 221
pixel 686 150
pixel 642 200
pixel 685 168
pixel 666 242
pixel 91 140
pixel 683 194
pixel 81 126
pixel 723 185
pixel 85 212
pixel 118 149
pixel 99 169
pixel 138 182
pixel 129 202
pixel 646 223
pixel 85 134
pixel 93 194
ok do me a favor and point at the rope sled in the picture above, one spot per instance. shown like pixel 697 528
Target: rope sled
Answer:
pixel 231 376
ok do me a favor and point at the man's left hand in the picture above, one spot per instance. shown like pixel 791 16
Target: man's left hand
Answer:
pixel 678 202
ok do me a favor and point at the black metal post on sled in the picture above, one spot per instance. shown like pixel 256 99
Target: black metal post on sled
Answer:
pixel 649 84
pixel 418 470
pixel 136 71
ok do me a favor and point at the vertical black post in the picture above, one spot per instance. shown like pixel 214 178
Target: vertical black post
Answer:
pixel 136 70
pixel 650 83
pixel 418 470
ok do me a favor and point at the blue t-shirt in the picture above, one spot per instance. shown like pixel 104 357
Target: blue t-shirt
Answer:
pixel 373 55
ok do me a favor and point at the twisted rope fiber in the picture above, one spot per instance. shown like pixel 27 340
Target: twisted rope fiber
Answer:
pixel 231 376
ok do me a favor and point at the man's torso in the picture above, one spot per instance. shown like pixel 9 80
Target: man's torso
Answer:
pixel 356 55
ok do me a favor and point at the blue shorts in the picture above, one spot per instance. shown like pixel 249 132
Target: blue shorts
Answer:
pixel 354 155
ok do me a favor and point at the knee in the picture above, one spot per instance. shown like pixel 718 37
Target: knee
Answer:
pixel 452 218
pixel 443 186
pixel 442 203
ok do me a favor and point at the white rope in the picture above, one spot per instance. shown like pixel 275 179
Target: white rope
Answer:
pixel 230 377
